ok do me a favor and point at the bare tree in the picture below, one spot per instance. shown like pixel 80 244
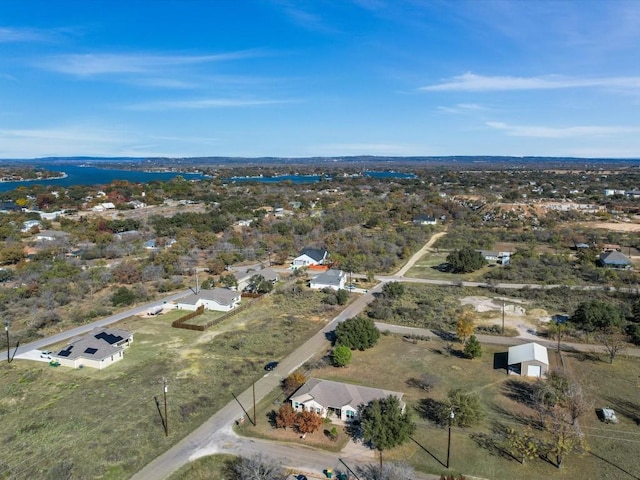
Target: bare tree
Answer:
pixel 575 402
pixel 257 467
pixel 389 471
pixel 613 343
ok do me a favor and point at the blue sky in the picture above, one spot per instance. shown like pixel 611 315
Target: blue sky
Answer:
pixel 298 78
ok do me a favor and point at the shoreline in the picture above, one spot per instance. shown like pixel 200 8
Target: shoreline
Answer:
pixel 42 179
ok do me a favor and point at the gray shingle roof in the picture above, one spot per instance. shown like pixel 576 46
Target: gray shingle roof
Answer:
pixel 330 277
pixel 336 394
pixel 614 258
pixel 221 296
pixel 316 254
pixel 97 345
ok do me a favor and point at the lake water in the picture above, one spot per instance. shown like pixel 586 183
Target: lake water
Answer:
pixel 77 175
pixel 80 175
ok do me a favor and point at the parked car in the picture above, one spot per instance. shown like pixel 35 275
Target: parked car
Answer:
pixel 270 366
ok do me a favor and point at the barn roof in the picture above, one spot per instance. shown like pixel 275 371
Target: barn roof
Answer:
pixel 528 352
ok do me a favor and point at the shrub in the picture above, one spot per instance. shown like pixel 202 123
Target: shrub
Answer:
pixel 341 356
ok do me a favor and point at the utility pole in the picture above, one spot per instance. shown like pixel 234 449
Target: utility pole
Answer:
pixel 451 417
pixel 6 330
pixel 255 419
pixel 166 418
pixel 503 317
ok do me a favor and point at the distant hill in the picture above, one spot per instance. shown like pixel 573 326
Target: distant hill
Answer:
pixel 481 162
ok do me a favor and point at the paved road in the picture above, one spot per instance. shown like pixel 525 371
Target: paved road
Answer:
pixel 216 433
pixel 510 341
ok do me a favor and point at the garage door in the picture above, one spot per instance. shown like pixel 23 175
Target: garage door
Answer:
pixel 534 370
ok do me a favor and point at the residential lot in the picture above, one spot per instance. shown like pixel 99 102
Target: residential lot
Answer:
pixel 477 451
pixel 105 424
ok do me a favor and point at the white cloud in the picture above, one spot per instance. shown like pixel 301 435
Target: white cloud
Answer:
pixel 203 104
pixel 28 143
pixel 23 35
pixel 479 83
pixel 85 65
pixel 563 132
pixel 462 108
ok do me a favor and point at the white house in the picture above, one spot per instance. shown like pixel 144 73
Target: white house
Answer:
pixel 335 399
pixel 529 360
pixel 333 279
pixel 217 299
pixel 425 220
pixel 310 256
pixel 51 235
pixel 28 225
pixel 99 349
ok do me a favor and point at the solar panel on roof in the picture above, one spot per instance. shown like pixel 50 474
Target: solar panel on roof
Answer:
pixel 91 350
pixel 108 337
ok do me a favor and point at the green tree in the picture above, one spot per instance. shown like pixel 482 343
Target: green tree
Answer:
pixel 473 349
pixel 122 296
pixel 341 356
pixel 597 315
pixel 393 289
pixel 228 281
pixel 342 296
pixel 357 333
pixel 465 260
pixel 522 444
pixel 465 406
pixel 386 424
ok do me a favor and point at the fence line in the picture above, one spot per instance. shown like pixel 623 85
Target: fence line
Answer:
pixel 181 322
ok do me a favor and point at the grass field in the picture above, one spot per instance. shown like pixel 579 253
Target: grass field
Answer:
pixel 476 451
pixel 105 424
pixel 216 467
pixel 427 267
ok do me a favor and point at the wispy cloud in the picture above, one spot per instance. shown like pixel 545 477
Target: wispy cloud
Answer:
pixel 85 65
pixel 563 132
pixel 206 103
pixel 462 108
pixel 479 83
pixel 24 143
pixel 24 35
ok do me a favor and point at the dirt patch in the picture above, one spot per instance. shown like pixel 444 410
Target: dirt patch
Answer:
pixel 613 226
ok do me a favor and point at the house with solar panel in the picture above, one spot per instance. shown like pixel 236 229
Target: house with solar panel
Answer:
pixel 98 349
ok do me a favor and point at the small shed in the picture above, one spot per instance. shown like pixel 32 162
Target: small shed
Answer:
pixel 529 360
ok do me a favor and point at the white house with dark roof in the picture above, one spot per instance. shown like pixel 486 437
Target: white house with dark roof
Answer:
pixel 217 299
pixel 529 360
pixel 98 349
pixel 310 256
pixel 332 278
pixel 336 400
